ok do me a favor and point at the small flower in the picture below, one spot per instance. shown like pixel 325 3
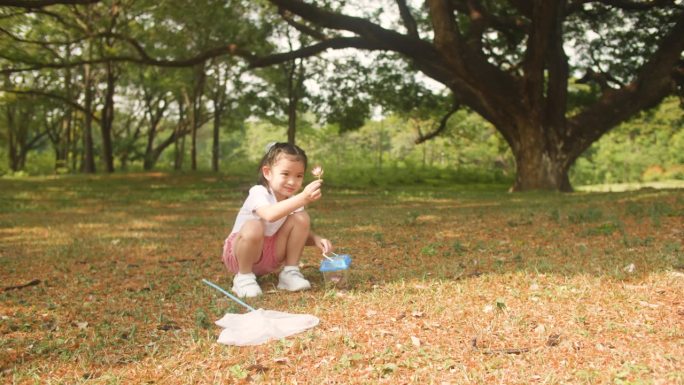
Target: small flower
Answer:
pixel 317 172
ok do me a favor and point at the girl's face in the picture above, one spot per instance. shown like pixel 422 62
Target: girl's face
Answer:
pixel 285 176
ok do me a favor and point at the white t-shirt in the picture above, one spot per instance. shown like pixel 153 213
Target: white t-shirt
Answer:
pixel 259 196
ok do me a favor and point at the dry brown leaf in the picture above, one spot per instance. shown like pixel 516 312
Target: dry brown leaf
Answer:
pixel 415 341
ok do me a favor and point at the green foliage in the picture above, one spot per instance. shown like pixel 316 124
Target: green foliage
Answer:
pixel 344 95
pixel 647 148
pixel 382 153
pixel 616 41
pixel 396 87
pixel 589 214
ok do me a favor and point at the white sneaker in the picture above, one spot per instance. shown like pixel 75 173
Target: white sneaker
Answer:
pixel 245 285
pixel 291 279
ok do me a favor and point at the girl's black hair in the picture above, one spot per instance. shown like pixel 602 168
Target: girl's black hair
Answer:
pixel 274 151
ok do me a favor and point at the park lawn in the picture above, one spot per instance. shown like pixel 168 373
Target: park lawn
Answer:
pixel 450 285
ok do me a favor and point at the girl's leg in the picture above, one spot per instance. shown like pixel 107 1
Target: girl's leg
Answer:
pixel 248 245
pixel 290 243
pixel 292 237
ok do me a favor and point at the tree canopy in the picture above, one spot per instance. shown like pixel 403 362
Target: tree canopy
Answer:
pixel 509 62
pixel 517 63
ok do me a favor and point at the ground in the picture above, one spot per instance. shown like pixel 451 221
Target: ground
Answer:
pixel 101 283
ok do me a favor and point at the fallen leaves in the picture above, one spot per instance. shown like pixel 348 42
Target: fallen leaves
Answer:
pixel 545 303
pixel 553 340
pixel 631 268
pixel 485 350
pixel 415 341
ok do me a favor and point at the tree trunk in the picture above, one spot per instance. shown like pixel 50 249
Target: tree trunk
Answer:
pixel 197 93
pixel 155 110
pixel 107 120
pixel 193 140
pixel 292 120
pixel 179 152
pixel 63 143
pixel 541 157
pixel 56 131
pixel 24 135
pixel 150 159
pixel 12 153
pixel 216 146
pixel 179 140
pixel 295 88
pixel 88 165
pixel 218 97
pixel 538 169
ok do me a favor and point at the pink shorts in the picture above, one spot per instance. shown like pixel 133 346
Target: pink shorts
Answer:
pixel 266 264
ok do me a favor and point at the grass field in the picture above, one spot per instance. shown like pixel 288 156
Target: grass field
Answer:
pixel 100 283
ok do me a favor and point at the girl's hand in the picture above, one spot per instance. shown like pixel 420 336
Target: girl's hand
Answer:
pixel 324 244
pixel 312 191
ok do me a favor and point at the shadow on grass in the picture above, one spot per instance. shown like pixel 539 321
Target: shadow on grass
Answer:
pixel 393 233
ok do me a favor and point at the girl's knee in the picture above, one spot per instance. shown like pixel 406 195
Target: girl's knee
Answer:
pixel 301 219
pixel 252 231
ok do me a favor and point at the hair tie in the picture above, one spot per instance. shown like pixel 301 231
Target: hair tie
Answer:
pixel 269 147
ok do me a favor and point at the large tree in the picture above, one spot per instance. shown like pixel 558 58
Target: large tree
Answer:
pixel 510 62
pixel 513 62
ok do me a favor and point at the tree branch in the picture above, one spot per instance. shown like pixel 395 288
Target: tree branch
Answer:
pixel 442 125
pixel 335 43
pixel 378 37
pixel 523 6
pixel 446 58
pixel 625 5
pixel 59 18
pixel 305 29
pixel 409 21
pixel 447 37
pixel 53 96
pixel 144 58
pixel 629 5
pixel 30 4
pixel 44 44
pixel 11 15
pixel 232 49
pixel 653 83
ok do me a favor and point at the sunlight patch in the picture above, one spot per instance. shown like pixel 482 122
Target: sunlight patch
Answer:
pixel 21 233
pixel 366 228
pixel 427 219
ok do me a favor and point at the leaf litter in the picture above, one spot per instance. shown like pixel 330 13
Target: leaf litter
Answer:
pixel 465 289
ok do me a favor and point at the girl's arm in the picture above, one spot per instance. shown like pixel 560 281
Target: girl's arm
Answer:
pixel 324 244
pixel 271 213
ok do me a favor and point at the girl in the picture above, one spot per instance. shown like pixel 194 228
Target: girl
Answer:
pixel 272 227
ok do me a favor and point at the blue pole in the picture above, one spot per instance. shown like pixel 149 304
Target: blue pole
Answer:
pixel 234 298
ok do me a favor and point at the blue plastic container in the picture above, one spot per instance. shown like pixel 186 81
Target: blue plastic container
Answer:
pixel 336 271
